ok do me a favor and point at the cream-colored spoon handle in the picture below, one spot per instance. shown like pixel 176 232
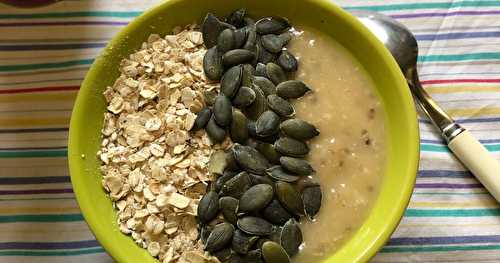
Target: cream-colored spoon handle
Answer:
pixel 479 161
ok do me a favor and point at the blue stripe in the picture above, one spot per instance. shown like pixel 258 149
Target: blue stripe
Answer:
pixel 457 35
pixel 443 240
pixel 444 173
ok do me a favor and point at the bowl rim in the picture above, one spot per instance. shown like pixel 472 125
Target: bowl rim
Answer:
pixel 410 110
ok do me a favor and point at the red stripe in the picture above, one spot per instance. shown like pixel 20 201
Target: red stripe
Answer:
pixel 43 89
pixel 444 81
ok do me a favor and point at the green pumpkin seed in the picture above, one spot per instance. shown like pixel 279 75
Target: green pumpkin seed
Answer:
pixel 221 180
pixel 265 84
pixel 296 165
pixel 208 207
pixel 251 42
pixel 237 56
pixel 223 111
pixel 269 152
pixel 244 97
pixel 242 242
pixel 247 75
pixel 256 198
pixel 223 255
pixel 264 56
pixel 312 200
pixel 212 64
pixel 274 253
pixel 217 163
pixel 267 124
pixel 260 179
pixel 253 256
pixel 209 96
pixel 238 131
pixel 202 119
pixel 291 237
pixel 304 182
pixel 289 198
pixel 275 73
pixel 259 105
pixel 277 173
pixel 248 21
pixel 229 207
pixel 269 139
pixel 255 226
pixel 215 133
pixel 273 43
pixel 232 165
pixel 236 17
pixel 211 27
pixel 299 129
pixel 249 159
pixel 292 89
pixel 231 81
pixel 237 185
pixel 281 106
pixel 272 25
pixel 240 37
pixel 226 40
pixel 252 130
pixel 291 147
pixel 287 61
pixel 220 236
pixel 260 70
pixel 205 232
pixel 275 213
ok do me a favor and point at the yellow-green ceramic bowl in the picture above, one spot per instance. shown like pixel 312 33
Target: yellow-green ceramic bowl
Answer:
pixel 401 122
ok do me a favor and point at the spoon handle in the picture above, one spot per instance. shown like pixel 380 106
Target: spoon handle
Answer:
pixel 479 161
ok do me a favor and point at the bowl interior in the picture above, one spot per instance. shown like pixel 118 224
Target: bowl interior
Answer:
pixel 401 125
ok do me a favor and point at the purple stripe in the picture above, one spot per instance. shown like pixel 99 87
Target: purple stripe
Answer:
pixel 34 180
pixel 74 23
pixel 49 245
pixel 450 186
pixel 444 173
pixel 50 46
pixel 398 241
pixel 458 35
pixel 36 191
pixel 441 14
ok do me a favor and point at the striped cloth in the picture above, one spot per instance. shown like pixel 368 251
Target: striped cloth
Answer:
pixel 45 52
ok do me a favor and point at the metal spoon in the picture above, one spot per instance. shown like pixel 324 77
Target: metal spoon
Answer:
pixel 403 47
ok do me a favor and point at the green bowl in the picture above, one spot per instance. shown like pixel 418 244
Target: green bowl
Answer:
pixel 401 122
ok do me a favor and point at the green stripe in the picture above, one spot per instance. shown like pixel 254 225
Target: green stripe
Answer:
pixel 52 253
pixel 34 154
pixel 443 148
pixel 451 212
pixel 437 249
pixel 41 218
pixel 460 57
pixel 71 14
pixel 9 68
pixel 443 5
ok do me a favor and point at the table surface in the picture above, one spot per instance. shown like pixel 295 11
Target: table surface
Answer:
pixel 45 53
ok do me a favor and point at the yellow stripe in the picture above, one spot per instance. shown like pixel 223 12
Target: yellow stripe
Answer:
pixel 474 112
pixel 457 89
pixel 480 203
pixel 66 96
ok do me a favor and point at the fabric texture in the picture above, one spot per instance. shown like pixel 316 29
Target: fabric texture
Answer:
pixel 45 53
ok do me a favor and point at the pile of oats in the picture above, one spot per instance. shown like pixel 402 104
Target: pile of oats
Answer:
pixel 155 170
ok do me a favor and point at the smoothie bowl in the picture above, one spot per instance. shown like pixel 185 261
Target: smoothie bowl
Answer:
pixel 243 131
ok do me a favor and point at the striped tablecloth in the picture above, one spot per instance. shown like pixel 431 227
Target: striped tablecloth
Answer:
pixel 45 52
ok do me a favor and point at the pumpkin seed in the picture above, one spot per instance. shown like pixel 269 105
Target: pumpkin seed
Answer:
pixel 220 236
pixel 208 206
pixel 204 233
pixel 247 75
pixel 267 124
pixel 250 159
pixel 259 105
pixel 275 213
pixel 275 73
pixel 221 180
pixel 276 234
pixel 255 226
pixel 231 81
pixel 312 200
pixel 299 129
pixel 217 163
pixel 229 207
pixel 264 56
pixel 248 21
pixel 231 164
pixel 244 97
pixel 269 139
pixel 273 43
pixel 251 42
pixel 240 37
pixel 287 61
pixel 260 70
pixel 304 182
pixel 260 179
pixel 226 40
pixel 274 253
pixel 242 242
pixel 237 185
pixel 212 64
pixel 272 25
pixel 238 131
pixel 281 106
pixel 211 28
pixel 277 173
pixel 215 133
pixel 252 130
pixel 269 152
pixel 253 256
pixel 291 147
pixel 291 237
pixel 292 89
pixel 209 96
pixel 236 17
pixel 256 198
pixel 202 119
pixel 265 84
pixel 237 56
pixel 223 255
pixel 223 111
pixel 289 198
pixel 296 165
